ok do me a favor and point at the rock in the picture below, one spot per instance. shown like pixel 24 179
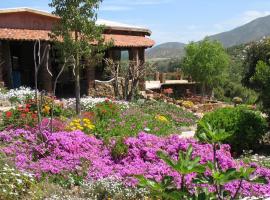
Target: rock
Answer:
pixel 4 103
pixel 187 134
pixel 5 109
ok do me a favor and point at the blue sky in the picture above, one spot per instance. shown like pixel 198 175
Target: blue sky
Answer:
pixel 172 20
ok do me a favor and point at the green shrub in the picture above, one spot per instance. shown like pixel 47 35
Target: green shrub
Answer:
pixel 245 126
pixel 120 149
pixel 106 110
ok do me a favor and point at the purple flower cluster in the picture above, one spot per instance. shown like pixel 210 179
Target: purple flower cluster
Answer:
pixel 64 152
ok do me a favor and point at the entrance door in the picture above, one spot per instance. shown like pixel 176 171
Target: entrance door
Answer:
pixel 16 73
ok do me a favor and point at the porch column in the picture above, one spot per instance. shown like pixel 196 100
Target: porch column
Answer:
pixel 134 56
pixel 114 54
pixel 142 62
pixel 2 82
pixel 90 74
pixel 5 65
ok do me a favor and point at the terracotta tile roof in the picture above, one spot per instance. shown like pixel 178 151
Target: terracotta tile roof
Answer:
pixel 24 34
pixel 129 40
pixel 31 35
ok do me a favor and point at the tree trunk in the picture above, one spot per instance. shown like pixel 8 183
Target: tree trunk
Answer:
pixel 77 86
pixel 203 92
pixel 77 79
pixel 116 83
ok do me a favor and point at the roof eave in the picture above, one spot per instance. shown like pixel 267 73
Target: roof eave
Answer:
pixel 29 10
pixel 119 28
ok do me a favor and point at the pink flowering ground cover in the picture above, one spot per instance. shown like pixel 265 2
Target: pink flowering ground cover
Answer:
pixel 65 152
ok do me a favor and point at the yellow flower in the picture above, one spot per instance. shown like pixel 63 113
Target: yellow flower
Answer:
pixel 187 104
pixel 86 120
pixel 161 118
pixel 46 109
pixel 91 126
pixel 80 124
pixel 76 121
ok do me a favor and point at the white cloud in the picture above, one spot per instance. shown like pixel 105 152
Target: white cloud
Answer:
pixel 240 20
pixel 122 5
pixel 148 2
pixel 253 14
pixel 114 8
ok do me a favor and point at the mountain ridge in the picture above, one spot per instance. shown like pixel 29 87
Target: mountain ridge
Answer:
pixel 252 31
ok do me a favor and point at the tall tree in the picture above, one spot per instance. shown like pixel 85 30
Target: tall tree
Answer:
pixel 257 71
pixel 205 62
pixel 77 35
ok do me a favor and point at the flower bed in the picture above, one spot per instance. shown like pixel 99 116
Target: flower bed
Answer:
pixel 89 158
pixel 89 103
pixel 17 95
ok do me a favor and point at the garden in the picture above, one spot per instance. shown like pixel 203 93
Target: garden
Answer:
pixel 128 150
pixel 140 149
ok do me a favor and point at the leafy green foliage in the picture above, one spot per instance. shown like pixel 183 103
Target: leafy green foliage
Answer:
pixel 211 136
pixel 231 84
pixel 106 110
pixel 185 164
pixel 257 74
pixel 80 37
pixel 77 17
pixel 245 127
pixel 205 61
pixel 166 189
pixel 120 149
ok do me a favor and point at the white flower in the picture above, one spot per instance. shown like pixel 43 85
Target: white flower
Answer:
pixel 20 94
pixel 89 102
pixel 147 129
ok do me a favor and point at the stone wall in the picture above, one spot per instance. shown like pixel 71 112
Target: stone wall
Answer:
pixel 101 89
pixel 106 88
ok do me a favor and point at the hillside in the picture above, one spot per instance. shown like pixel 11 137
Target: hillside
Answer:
pixel 252 31
pixel 166 50
pixel 247 33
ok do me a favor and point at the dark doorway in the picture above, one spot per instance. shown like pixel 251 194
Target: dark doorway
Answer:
pixel 23 71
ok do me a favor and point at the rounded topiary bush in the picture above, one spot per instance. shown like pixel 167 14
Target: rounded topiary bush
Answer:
pixel 245 126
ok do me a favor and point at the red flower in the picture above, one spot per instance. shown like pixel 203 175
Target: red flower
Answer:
pixel 168 91
pixel 23 115
pixel 26 110
pixel 20 108
pixel 8 114
pixel 34 116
